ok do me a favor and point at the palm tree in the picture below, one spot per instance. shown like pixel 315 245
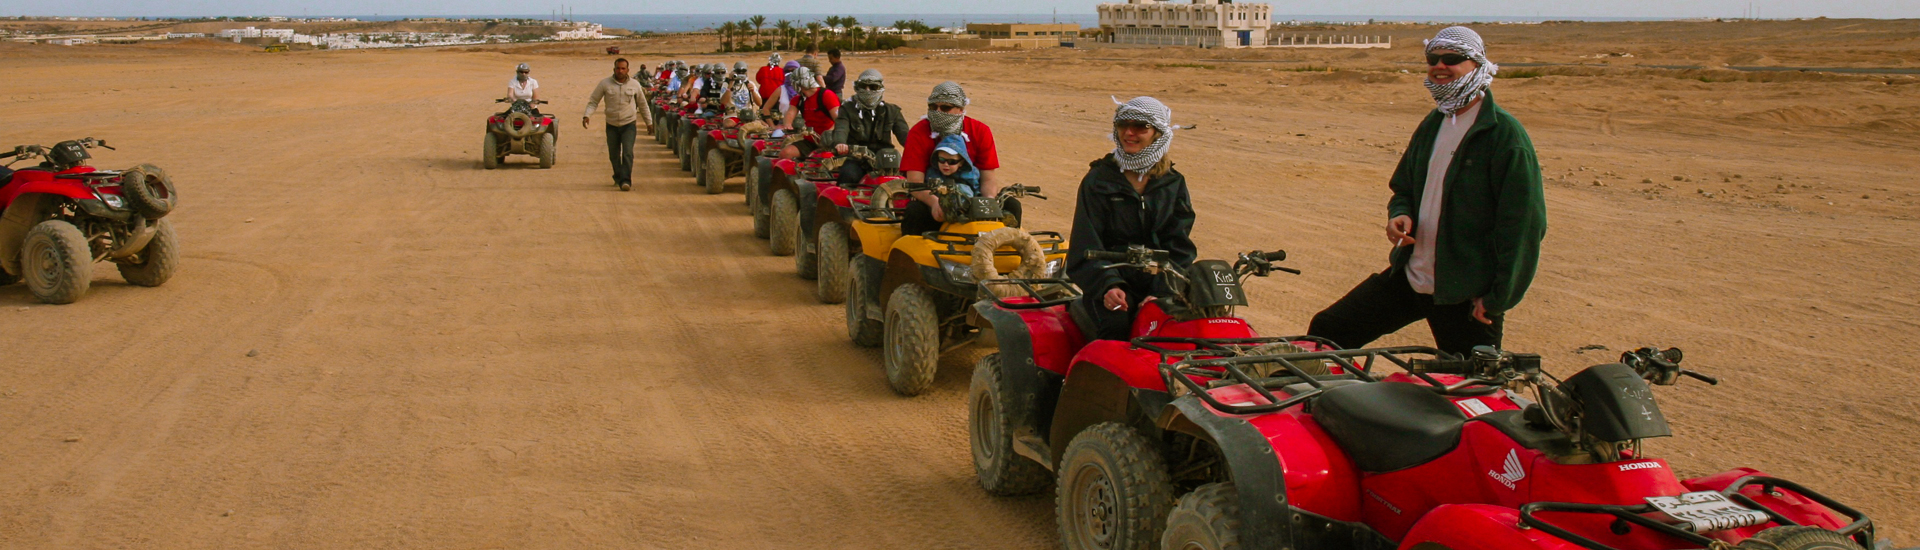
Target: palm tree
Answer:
pixel 786 31
pixel 758 21
pixel 833 21
pixel 813 33
pixel 726 36
pixel 853 27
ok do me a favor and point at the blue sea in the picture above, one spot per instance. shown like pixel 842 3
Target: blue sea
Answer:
pixel 694 22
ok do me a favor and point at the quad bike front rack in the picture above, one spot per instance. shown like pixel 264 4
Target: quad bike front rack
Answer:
pixel 1050 242
pixel 1045 292
pixel 1860 530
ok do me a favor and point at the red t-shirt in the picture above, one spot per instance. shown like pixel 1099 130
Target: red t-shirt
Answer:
pixel 818 110
pixel 770 79
pixel 917 154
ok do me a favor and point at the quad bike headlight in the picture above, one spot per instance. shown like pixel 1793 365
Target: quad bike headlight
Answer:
pixel 113 200
pixel 957 272
pixel 1056 269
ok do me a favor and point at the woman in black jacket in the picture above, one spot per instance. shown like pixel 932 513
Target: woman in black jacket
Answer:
pixel 1132 196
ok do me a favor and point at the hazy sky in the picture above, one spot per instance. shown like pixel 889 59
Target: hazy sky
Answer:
pixel 1281 8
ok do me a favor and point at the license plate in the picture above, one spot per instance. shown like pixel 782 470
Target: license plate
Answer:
pixel 1707 511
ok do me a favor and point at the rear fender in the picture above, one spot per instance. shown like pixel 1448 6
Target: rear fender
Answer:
pixel 1092 395
pixel 1255 469
pixel 1480 527
pixel 876 240
pixel 26 210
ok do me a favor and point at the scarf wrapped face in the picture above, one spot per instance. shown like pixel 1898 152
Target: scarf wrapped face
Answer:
pixel 1450 97
pixel 869 98
pixel 1152 112
pixel 773 60
pixel 947 93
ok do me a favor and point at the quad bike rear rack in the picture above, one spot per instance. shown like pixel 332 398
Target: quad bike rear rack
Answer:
pixel 1860 530
pixel 1050 242
pixel 1208 362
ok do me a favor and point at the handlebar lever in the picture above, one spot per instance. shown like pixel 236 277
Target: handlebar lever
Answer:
pixel 1711 381
pixel 1287 269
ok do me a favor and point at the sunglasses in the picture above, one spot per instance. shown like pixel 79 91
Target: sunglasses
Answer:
pixel 868 87
pixel 1132 125
pixel 944 108
pixel 948 161
pixel 1448 59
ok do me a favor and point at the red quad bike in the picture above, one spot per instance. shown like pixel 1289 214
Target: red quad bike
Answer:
pixel 826 235
pixel 692 120
pixel 726 155
pixel 519 131
pixel 661 112
pixel 780 198
pixel 1449 454
pixel 61 216
pixel 1051 400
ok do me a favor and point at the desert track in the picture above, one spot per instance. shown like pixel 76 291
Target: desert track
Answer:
pixel 374 343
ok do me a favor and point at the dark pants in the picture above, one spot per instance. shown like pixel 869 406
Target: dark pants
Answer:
pixel 620 152
pixel 1385 302
pixel 852 172
pixel 919 217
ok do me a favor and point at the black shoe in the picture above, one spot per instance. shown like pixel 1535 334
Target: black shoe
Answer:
pixel 626 187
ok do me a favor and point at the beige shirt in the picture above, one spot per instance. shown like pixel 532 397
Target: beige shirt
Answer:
pixel 623 101
pixel 1427 230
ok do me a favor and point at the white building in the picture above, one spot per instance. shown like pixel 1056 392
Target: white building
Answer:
pixel 282 34
pixel 1205 23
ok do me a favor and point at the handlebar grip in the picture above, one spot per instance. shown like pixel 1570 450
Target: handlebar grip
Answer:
pixel 1106 256
pixel 1274 256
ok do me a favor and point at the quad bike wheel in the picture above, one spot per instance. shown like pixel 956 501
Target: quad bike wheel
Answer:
pixel 716 172
pixel 863 331
pixel 55 262
pixel 697 162
pixel 157 261
pixel 1114 492
pixel 747 167
pixel 149 191
pixel 1798 537
pixel 1000 471
pixel 546 150
pixel 754 209
pixel 1206 519
pixel 830 284
pixel 785 220
pixel 654 130
pixel 490 152
pixel 686 150
pixel 912 340
pixel 805 251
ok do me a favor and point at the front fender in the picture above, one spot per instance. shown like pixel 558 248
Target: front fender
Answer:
pixel 1265 519
pixel 1031 391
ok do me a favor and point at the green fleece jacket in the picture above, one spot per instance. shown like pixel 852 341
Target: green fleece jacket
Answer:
pixel 1495 212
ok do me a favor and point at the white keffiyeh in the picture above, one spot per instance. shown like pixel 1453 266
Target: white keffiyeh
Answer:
pixel 1450 97
pixel 1155 114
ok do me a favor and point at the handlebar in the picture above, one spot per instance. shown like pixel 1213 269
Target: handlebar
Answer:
pixel 1662 366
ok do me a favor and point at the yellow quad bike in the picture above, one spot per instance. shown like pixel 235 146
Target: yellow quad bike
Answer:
pixel 911 294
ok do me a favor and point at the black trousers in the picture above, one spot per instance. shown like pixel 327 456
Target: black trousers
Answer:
pixel 852 172
pixel 1385 302
pixel 620 152
pixel 919 217
pixel 1099 323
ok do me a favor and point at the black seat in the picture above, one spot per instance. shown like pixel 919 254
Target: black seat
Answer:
pixel 1389 426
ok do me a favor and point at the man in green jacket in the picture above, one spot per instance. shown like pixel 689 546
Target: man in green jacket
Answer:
pixel 1466 217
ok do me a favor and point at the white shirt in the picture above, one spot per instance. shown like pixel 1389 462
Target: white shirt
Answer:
pixel 1427 227
pixel 517 90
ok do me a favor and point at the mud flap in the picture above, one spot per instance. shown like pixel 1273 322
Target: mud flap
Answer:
pixel 1090 394
pixel 806 192
pixel 870 295
pixel 27 209
pixel 1264 512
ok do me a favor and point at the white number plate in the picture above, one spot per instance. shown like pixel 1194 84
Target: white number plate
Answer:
pixel 1707 511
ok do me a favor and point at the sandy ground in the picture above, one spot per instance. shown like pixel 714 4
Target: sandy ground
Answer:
pixel 375 343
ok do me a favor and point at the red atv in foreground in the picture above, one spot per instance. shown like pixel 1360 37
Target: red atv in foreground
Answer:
pixel 519 131
pixel 61 216
pixel 1449 454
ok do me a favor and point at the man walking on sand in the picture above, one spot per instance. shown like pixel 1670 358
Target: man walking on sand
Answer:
pixel 623 98
pixel 1466 217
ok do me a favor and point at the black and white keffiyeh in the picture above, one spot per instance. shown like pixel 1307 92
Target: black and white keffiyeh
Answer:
pixel 947 93
pixel 1450 97
pixel 1155 114
pixel 869 98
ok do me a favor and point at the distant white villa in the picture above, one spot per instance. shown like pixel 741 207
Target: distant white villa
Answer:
pixel 1205 23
